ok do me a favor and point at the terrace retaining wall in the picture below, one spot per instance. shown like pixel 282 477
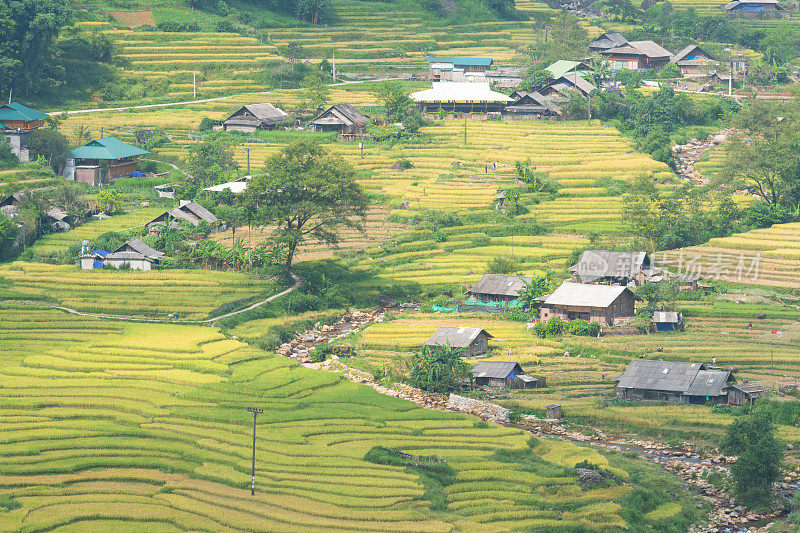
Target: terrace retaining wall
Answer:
pixel 485 410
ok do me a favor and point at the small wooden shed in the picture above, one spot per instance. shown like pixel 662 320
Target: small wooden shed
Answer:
pixel 498 287
pixel 344 119
pixel 499 374
pixel 474 341
pixel 745 392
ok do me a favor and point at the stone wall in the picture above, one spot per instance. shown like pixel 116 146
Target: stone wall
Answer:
pixel 485 410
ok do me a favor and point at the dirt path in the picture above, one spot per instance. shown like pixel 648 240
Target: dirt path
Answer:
pixel 297 284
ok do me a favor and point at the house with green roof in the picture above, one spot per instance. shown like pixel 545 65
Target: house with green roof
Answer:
pixel 16 122
pixel 563 68
pixel 446 68
pixel 103 160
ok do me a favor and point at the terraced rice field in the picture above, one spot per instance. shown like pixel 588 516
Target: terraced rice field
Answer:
pixel 578 369
pixel 769 256
pixel 364 38
pixel 156 293
pixel 115 426
pixel 25 177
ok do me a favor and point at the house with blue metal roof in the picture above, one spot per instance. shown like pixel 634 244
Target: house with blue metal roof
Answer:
pixel 102 160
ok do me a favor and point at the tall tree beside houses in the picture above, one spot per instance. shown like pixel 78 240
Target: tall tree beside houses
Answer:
pixel 307 193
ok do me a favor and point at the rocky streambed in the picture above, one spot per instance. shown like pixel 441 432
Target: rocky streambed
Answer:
pixel 686 155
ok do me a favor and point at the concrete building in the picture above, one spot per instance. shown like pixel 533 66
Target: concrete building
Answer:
pixel 457 68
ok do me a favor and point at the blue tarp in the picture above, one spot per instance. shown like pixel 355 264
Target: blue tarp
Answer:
pixel 137 174
pixel 101 253
pixel 97 264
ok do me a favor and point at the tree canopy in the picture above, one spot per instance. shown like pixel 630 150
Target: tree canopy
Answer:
pixel 438 369
pixel 307 192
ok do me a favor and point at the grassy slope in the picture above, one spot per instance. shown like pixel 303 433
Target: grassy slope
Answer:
pixel 107 425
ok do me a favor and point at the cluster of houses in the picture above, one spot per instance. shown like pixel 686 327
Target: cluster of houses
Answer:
pixel 342 118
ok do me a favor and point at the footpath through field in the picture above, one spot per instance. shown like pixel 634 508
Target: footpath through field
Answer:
pixel 298 282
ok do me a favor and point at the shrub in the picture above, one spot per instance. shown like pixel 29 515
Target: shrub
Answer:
pixel 439 236
pixel 320 353
pixel 503 265
pixel 555 327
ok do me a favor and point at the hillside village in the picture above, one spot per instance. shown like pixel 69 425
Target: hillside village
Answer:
pixel 467 265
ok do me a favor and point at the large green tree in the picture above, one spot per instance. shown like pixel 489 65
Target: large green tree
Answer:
pixel 307 192
pixel 51 145
pixel 29 56
pixel 765 156
pixel 752 439
pixel 438 369
pixel 211 160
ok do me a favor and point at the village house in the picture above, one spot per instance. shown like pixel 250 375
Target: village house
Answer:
pixel 666 321
pixel 603 304
pixel 237 186
pixel 254 117
pixel 568 69
pixel 637 55
pixel 754 9
pixel 561 89
pixel 190 212
pixel 474 341
pixel 460 97
pixel 457 68
pixel 607 41
pixel 503 375
pixel 56 217
pixel 608 266
pixel 116 260
pixel 344 119
pixel 745 392
pixel 16 123
pixel 138 247
pixel 505 77
pixel 102 160
pixel 498 287
pixel 693 61
pixel 530 106
pixel 671 381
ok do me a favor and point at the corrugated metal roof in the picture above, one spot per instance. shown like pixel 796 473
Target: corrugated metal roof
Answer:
pixel 563 66
pixel 737 3
pixel 579 294
pixel 107 148
pixel 129 256
pixel 688 50
pixel 140 247
pixel 265 113
pixel 236 187
pixel 583 86
pixel 608 40
pixel 672 317
pixel 597 264
pixel 495 369
pixel 462 61
pixel 457 337
pixel 668 376
pixel 709 383
pixel 500 285
pixel 750 387
pixel 645 48
pixel 16 111
pixel 450 91
pixel 341 114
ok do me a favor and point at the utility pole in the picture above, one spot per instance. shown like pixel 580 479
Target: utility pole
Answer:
pixel 10 92
pixel 255 411
pixel 334 65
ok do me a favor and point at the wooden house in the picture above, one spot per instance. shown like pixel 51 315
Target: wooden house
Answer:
pixel 254 117
pixel 474 341
pixel 16 123
pixel 607 41
pixel 463 97
pixel 753 9
pixel 561 89
pixel 638 55
pixel 671 381
pixel 190 212
pixel 693 61
pixel 745 392
pixel 344 119
pixel 104 159
pixel 608 266
pixel 498 287
pixel 502 375
pixel 603 304
pixel 530 106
